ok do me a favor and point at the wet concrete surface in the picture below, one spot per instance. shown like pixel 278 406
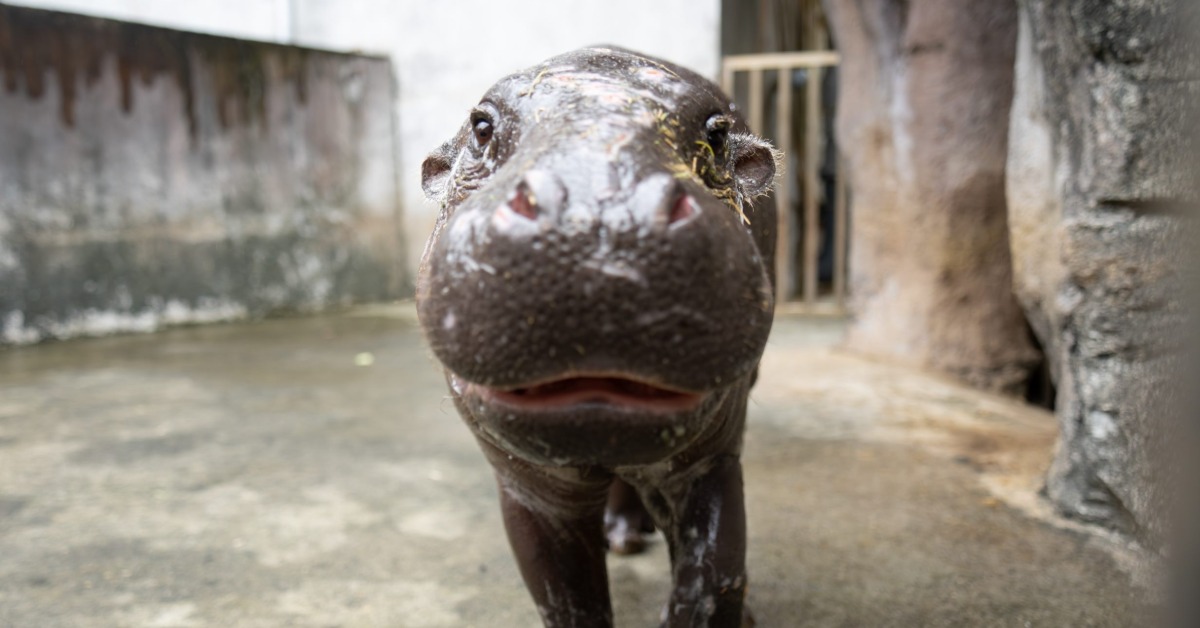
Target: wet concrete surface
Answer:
pixel 274 474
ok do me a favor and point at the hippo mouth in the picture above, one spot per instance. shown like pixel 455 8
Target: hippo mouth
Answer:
pixel 590 418
pixel 619 392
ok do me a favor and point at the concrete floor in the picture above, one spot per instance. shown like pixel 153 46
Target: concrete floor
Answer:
pixel 267 475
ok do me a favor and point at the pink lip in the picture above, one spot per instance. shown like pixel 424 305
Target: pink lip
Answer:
pixel 621 392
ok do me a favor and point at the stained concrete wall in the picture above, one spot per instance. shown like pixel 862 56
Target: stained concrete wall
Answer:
pixel 445 54
pixel 150 176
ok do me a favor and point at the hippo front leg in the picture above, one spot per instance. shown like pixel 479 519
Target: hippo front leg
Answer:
pixel 708 552
pixel 554 522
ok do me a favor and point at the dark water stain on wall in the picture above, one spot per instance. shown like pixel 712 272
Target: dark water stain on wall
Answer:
pixel 37 46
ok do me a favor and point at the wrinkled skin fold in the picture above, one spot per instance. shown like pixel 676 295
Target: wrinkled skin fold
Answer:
pixel 599 292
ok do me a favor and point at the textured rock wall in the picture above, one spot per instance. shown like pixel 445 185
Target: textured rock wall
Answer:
pixel 1096 193
pixel 923 112
pixel 151 176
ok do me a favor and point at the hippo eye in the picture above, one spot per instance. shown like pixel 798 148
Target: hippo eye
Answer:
pixel 482 127
pixel 717 128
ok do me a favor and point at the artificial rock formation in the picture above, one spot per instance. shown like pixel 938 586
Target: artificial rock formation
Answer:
pixel 1095 192
pixel 926 88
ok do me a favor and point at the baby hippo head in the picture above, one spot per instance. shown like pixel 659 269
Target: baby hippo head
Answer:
pixel 598 281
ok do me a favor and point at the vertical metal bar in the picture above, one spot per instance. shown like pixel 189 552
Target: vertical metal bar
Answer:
pixel 727 80
pixel 812 148
pixel 783 207
pixel 755 101
pixel 840 233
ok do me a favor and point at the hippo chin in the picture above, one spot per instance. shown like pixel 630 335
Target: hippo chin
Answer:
pixel 598 287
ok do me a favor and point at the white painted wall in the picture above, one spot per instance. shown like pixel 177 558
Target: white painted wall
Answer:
pixel 446 52
pixel 266 20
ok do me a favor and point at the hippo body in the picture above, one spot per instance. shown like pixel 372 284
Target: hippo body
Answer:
pixel 598 288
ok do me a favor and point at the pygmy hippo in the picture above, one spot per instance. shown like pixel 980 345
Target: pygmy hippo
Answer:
pixel 598 289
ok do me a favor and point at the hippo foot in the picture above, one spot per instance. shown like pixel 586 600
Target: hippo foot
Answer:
pixel 626 532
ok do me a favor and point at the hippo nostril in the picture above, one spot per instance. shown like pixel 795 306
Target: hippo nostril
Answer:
pixel 523 201
pixel 684 208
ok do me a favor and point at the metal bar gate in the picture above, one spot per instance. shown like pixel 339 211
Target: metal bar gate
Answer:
pixel 808 285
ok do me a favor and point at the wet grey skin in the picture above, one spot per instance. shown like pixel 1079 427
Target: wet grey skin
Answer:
pixel 598 289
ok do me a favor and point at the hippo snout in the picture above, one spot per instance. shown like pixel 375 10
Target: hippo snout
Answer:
pixel 664 283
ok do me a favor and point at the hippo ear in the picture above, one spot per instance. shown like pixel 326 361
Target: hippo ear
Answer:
pixel 754 164
pixel 435 173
